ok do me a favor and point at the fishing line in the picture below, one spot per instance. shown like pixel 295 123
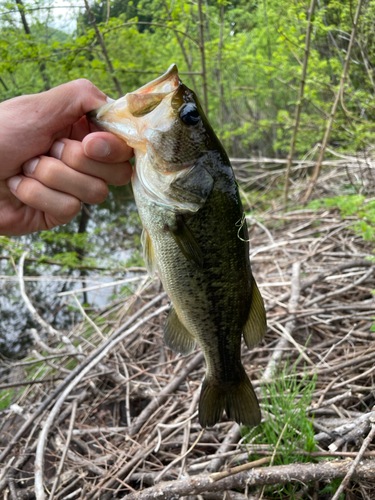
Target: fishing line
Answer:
pixel 240 224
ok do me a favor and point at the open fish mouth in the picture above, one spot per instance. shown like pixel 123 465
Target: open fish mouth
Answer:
pixel 152 106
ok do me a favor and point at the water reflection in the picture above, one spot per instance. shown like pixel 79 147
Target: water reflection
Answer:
pixel 113 229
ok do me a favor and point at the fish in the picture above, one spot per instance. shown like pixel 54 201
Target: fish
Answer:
pixel 195 235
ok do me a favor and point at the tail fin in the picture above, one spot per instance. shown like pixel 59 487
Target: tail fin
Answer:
pixel 239 401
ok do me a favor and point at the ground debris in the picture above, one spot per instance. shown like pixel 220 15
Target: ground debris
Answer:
pixel 135 401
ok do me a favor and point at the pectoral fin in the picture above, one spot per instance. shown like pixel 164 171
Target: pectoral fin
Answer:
pixel 256 324
pixel 194 187
pixel 186 242
pixel 176 336
pixel 148 253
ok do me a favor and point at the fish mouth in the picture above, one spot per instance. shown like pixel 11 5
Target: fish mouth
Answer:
pixel 150 106
pixel 164 84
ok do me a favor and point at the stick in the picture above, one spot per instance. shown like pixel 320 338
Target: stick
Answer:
pixel 179 458
pixel 232 437
pixel 66 448
pixel 39 457
pixel 280 474
pixel 168 389
pixel 356 461
pixel 289 327
pixel 76 371
pixel 240 468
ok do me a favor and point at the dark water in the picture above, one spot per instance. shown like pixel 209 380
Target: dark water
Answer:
pixel 114 233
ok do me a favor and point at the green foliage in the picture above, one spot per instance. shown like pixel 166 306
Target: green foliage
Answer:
pixel 331 488
pixel 253 58
pixel 352 206
pixel 6 397
pixel 286 400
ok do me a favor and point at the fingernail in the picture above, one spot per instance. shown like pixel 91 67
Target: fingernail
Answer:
pixel 109 99
pixel 57 149
pixel 29 166
pixel 13 183
pixel 97 148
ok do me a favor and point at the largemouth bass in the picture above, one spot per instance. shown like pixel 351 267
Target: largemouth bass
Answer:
pixel 195 235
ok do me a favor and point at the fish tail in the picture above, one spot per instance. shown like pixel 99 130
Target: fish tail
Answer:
pixel 238 400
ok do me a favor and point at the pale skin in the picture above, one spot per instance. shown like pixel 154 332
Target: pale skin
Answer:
pixel 52 159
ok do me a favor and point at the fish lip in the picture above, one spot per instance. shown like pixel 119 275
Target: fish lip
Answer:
pixel 171 75
pixel 165 84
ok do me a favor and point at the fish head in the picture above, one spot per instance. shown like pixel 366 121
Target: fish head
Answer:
pixel 163 119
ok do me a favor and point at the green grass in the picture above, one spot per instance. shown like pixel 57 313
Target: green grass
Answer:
pixel 285 401
pixel 6 397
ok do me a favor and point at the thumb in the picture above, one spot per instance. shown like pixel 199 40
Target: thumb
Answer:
pixel 30 123
pixel 62 106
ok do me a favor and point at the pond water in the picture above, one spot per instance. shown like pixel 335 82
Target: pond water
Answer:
pixel 114 235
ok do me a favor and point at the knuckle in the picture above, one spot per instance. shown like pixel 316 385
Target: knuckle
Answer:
pixel 100 192
pixel 123 175
pixel 82 85
pixel 46 173
pixel 71 208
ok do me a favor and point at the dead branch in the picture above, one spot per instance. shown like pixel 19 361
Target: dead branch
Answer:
pixel 282 474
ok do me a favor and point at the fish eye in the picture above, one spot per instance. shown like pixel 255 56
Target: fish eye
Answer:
pixel 190 115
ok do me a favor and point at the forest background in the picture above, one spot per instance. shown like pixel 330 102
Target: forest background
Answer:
pixel 276 78
pixel 289 88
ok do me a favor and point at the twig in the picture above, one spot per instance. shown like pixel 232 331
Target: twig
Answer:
pixel 281 474
pixel 31 308
pixel 232 437
pixel 66 448
pixel 39 457
pixel 356 461
pixel 292 307
pixel 168 389
pixel 178 459
pixel 87 318
pixel 240 468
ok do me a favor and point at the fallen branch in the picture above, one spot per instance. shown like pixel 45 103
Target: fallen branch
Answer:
pixel 280 474
pixel 355 463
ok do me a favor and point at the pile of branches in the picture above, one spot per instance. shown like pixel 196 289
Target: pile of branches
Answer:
pixel 110 412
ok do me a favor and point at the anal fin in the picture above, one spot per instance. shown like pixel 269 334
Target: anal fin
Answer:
pixel 176 336
pixel 256 324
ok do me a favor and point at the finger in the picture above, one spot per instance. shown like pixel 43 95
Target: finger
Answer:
pixel 103 145
pixel 55 175
pixel 64 105
pixel 72 153
pixel 61 207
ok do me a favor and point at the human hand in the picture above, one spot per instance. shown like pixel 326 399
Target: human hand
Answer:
pixel 52 159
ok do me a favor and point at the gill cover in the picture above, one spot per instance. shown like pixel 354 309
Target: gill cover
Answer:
pixel 165 124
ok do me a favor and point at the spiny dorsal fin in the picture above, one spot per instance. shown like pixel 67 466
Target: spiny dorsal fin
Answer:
pixel 256 324
pixel 176 336
pixel 187 243
pixel 148 253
